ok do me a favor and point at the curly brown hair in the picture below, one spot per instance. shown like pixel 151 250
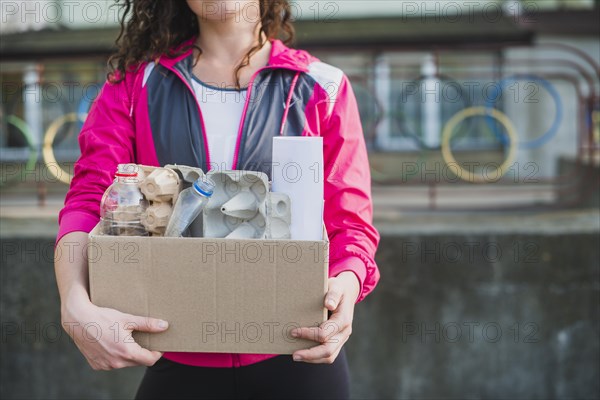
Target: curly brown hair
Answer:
pixel 151 28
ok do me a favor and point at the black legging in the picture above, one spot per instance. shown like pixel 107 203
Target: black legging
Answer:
pixel 276 378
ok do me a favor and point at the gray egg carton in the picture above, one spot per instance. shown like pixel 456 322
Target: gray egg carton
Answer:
pixel 187 174
pixel 242 207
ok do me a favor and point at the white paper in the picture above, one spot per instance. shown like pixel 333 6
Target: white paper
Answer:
pixel 298 172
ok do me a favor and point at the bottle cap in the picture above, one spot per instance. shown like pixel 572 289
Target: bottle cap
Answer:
pixel 204 186
pixel 127 171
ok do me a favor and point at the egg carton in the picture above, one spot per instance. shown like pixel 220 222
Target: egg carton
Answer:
pixel 242 207
pixel 161 187
pixel 189 175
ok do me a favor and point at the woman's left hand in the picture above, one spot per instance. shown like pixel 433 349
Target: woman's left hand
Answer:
pixel 332 334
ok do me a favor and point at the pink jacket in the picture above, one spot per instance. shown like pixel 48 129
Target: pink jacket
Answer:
pixel 152 118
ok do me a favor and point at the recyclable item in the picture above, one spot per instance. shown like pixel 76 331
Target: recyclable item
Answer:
pixel 298 172
pixel 218 295
pixel 243 231
pixel 156 217
pixel 144 171
pixel 279 216
pixel 162 184
pixel 243 205
pixel 239 197
pixel 123 204
pixel 189 205
pixel 161 187
pixel 243 208
pixel 188 174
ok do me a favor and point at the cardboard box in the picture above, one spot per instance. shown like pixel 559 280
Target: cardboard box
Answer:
pixel 218 295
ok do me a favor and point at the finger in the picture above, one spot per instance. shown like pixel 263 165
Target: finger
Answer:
pixel 315 353
pixel 322 351
pixel 99 363
pixel 141 356
pixel 339 320
pixel 325 360
pixel 333 296
pixel 319 334
pixel 135 354
pixel 313 356
pixel 345 306
pixel 145 324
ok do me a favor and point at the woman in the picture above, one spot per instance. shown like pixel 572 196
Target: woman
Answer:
pixel 207 84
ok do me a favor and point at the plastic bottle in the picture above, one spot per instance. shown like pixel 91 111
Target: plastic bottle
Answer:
pixel 189 204
pixel 123 203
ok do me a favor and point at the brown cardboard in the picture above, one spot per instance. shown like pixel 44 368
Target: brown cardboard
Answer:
pixel 218 295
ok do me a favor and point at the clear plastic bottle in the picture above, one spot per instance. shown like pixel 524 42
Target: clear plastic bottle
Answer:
pixel 189 205
pixel 123 203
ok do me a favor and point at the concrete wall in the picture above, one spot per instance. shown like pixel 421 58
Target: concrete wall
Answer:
pixel 39 360
pixel 454 316
pixel 481 316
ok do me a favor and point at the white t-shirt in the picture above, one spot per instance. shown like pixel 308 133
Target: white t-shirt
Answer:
pixel 222 110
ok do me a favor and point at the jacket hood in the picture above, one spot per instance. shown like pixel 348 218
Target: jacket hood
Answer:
pixel 281 56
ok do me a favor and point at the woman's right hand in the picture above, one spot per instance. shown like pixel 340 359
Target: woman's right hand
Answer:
pixel 103 335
